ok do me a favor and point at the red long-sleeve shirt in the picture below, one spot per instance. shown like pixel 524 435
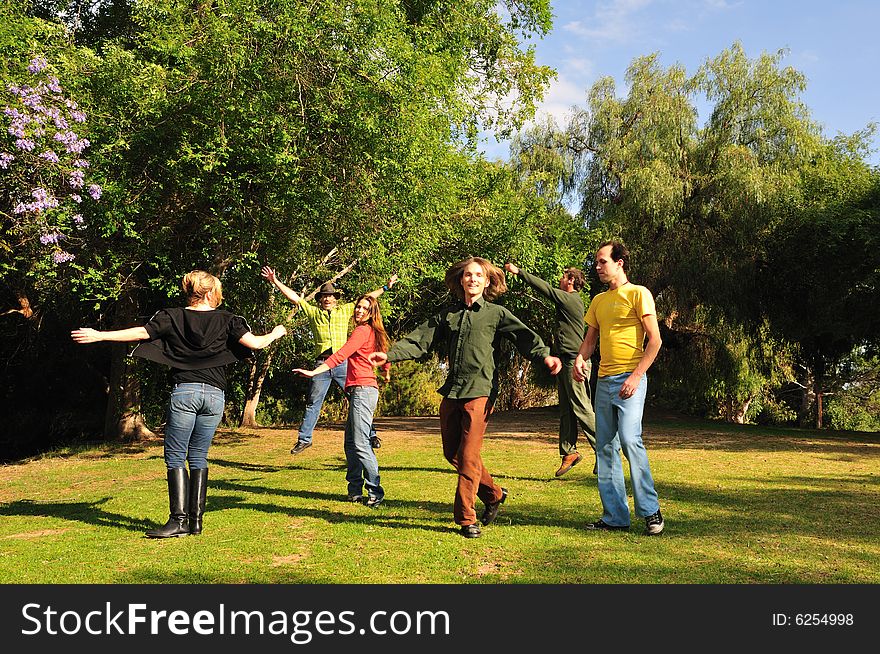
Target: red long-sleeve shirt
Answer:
pixel 360 345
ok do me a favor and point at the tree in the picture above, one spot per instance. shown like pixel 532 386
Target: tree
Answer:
pixel 320 137
pixel 705 208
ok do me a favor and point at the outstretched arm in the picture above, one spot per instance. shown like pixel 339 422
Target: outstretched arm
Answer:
pixel 289 293
pixel 391 282
pixel 581 369
pixel 255 342
pixel 87 335
pixel 543 287
pixel 527 342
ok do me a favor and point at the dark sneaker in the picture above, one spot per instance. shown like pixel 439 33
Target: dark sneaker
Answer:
pixel 601 525
pixel 491 511
pixel 356 498
pixel 654 524
pixel 569 461
pixel 471 531
pixel 375 442
pixel 299 447
pixel 373 502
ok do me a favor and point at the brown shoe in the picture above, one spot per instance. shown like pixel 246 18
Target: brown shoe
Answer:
pixel 569 461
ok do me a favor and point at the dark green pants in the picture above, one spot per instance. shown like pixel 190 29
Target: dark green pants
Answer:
pixel 575 410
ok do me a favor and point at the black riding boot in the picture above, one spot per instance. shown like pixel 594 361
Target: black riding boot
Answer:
pixel 198 491
pixel 178 496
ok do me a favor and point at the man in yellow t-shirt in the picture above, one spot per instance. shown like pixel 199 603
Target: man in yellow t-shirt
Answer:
pixel 620 319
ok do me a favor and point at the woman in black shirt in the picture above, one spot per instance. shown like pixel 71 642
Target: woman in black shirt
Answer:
pixel 196 342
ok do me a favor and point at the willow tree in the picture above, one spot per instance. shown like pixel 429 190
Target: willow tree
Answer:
pixel 700 200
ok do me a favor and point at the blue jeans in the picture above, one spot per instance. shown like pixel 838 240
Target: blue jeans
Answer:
pixel 363 468
pixel 619 425
pixel 318 388
pixel 194 412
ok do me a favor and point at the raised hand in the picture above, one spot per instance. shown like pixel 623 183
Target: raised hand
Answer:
pixel 268 274
pixel 511 268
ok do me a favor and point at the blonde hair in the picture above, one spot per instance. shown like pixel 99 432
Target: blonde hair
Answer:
pixel 198 283
pixel 494 275
pixel 374 320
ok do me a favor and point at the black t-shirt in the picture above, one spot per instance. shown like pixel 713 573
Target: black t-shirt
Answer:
pixel 196 345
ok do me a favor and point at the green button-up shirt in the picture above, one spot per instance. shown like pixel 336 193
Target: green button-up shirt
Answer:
pixel 329 328
pixel 570 326
pixel 469 337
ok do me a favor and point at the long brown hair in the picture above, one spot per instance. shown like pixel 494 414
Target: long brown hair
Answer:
pixel 374 320
pixel 497 283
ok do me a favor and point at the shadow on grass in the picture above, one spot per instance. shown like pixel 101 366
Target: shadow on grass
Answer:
pixel 380 516
pixel 88 512
pixel 820 508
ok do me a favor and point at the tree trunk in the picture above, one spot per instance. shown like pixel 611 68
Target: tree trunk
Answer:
pixel 740 412
pixel 257 375
pixel 808 399
pixel 124 420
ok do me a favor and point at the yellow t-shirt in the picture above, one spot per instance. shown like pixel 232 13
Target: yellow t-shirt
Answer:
pixel 618 314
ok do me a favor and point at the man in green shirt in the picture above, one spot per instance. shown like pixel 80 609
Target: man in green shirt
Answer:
pixel 330 323
pixel 468 332
pixel 575 406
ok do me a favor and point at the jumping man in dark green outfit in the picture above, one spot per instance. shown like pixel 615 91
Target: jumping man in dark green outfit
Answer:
pixel 575 407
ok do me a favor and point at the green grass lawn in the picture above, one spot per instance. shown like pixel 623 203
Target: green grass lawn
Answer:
pixel 742 505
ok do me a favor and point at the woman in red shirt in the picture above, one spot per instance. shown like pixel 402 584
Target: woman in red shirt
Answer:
pixel 363 394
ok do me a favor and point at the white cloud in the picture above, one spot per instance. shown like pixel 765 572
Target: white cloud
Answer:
pixel 579 65
pixel 562 95
pixel 612 21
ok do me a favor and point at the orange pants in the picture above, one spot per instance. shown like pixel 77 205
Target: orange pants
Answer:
pixel 462 425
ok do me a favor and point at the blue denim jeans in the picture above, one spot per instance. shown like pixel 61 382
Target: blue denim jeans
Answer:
pixel 363 468
pixel 194 412
pixel 619 426
pixel 318 388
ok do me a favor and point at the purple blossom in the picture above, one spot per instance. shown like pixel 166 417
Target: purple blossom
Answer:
pixel 81 163
pixel 25 144
pixel 5 160
pixel 51 237
pixel 49 155
pixel 62 257
pixel 42 200
pixel 16 130
pixel 60 122
pixel 21 207
pixel 76 197
pixel 78 116
pixel 37 65
pixel 76 179
pixel 95 191
pixel 78 219
pixel 53 85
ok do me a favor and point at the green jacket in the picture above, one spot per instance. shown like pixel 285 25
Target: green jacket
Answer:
pixel 570 327
pixel 469 337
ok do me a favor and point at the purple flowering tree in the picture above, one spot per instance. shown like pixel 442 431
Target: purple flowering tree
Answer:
pixel 43 168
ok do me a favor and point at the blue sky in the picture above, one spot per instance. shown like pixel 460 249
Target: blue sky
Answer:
pixel 835 43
